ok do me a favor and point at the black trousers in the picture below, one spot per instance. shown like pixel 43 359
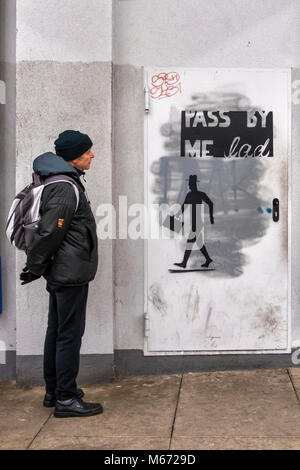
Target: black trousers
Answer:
pixel 66 324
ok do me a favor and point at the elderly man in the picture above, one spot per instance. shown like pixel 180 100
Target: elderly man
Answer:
pixel 64 252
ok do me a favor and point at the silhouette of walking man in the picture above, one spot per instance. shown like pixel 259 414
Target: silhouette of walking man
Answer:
pixel 195 200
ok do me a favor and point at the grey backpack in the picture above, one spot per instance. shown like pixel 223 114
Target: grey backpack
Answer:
pixel 24 214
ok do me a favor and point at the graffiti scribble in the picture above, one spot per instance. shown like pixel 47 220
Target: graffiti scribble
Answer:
pixel 165 85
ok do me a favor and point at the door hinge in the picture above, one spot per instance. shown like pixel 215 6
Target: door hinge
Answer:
pixel 146 97
pixel 147 324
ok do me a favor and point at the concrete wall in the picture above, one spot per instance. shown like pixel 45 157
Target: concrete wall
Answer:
pixel 193 33
pixel 65 79
pixel 7 181
pixel 64 53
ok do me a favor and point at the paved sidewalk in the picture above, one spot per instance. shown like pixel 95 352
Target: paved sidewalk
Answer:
pixel 257 409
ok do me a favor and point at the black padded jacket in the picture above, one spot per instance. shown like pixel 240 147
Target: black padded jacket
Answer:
pixel 65 248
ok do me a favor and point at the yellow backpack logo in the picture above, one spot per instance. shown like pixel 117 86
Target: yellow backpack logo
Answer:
pixel 60 222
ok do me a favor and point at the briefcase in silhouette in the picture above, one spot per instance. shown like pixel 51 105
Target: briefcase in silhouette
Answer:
pixel 173 223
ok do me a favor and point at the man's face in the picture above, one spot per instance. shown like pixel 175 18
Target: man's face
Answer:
pixel 84 161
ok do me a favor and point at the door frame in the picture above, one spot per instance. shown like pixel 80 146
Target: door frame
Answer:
pixel 147 319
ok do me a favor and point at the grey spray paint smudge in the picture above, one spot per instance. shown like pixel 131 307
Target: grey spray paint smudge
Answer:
pixel 233 185
pixel 156 298
pixel 267 319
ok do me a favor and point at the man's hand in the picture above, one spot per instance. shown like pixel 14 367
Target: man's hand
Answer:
pixel 26 276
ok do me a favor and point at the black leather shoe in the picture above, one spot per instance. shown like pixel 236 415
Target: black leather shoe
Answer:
pixel 50 398
pixel 76 407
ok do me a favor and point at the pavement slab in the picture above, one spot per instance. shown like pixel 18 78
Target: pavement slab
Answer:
pixel 99 442
pixel 237 443
pixel 295 372
pixel 21 415
pixel 295 378
pixel 12 442
pixel 138 412
pixel 248 405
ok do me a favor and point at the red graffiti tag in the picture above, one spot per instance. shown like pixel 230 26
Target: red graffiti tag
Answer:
pixel 165 85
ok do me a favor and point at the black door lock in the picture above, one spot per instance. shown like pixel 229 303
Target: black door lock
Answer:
pixel 275 210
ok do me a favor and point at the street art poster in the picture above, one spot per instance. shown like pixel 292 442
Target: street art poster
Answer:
pixel 217 156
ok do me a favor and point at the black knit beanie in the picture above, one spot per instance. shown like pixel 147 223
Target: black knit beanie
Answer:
pixel 72 144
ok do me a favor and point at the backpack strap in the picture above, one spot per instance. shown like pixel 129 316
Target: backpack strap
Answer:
pixel 36 179
pixel 64 179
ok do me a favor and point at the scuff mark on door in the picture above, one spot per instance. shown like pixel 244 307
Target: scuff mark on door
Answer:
pixel 156 298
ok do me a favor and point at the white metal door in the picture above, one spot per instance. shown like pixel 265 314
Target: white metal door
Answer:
pixel 219 135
